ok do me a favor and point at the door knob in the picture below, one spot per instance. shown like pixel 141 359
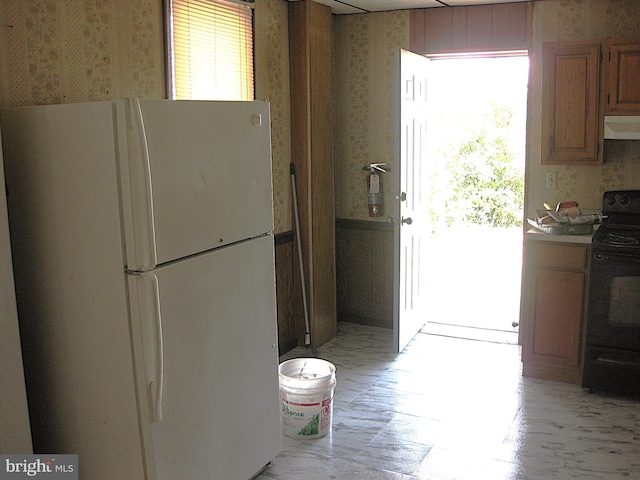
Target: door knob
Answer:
pixel 407 220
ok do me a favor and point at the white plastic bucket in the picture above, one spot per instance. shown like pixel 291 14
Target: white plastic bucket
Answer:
pixel 306 397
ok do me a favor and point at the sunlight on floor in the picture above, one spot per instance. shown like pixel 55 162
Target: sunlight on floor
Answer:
pixel 452 409
pixel 473 278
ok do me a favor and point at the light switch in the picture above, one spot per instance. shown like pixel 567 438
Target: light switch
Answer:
pixel 551 181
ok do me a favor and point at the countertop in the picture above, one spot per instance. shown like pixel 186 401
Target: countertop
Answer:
pixel 534 234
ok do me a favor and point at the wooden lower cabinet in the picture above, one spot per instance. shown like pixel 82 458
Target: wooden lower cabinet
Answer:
pixel 554 303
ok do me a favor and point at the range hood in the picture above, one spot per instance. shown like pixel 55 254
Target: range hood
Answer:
pixel 622 127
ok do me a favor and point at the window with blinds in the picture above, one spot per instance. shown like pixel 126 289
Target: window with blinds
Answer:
pixel 211 50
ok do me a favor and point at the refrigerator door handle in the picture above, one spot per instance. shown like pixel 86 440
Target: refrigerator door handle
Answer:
pixel 157 384
pixel 142 195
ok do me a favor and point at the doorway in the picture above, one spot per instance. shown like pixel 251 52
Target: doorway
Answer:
pixel 476 150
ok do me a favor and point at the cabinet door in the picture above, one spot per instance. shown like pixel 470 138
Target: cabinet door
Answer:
pixel 571 125
pixel 557 316
pixel 623 83
pixel 554 310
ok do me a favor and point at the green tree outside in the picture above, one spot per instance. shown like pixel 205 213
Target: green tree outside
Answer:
pixel 484 175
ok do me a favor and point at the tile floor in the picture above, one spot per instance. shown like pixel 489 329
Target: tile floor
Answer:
pixel 448 409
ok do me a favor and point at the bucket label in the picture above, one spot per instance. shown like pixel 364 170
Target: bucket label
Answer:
pixel 306 417
pixel 325 422
pixel 311 428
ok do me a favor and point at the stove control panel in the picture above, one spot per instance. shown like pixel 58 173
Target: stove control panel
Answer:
pixel 621 201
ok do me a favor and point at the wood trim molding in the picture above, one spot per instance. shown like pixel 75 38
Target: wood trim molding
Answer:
pixel 348 224
pixel 283 237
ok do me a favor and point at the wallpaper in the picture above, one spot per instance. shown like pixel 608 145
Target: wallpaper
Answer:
pixel 272 83
pixel 54 51
pixel 60 51
pixel 366 46
pixel 64 51
pixel 566 20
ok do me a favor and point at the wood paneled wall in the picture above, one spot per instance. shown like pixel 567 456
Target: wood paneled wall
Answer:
pixel 311 77
pixel 364 259
pixel 285 287
pixel 480 28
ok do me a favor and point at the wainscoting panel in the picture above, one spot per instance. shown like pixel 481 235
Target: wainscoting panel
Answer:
pixel 364 268
pixel 285 282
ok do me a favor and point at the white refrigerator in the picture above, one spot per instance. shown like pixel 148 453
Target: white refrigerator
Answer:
pixel 144 261
pixel 15 433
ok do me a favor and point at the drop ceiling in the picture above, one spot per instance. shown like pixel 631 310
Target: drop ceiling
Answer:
pixel 342 7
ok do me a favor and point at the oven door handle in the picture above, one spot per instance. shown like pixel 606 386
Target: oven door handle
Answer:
pixel 620 363
pixel 614 257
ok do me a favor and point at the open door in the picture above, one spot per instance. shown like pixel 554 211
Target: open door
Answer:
pixel 410 215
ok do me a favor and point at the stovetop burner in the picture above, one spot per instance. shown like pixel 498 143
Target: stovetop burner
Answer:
pixel 620 229
pixel 615 238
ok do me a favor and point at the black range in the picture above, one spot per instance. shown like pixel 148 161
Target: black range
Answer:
pixel 612 357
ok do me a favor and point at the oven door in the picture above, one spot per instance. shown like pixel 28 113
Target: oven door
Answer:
pixel 614 301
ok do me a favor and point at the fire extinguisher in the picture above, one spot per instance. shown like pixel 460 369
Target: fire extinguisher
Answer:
pixel 374 188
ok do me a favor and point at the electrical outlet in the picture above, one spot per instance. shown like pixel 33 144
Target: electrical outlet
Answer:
pixel 551 181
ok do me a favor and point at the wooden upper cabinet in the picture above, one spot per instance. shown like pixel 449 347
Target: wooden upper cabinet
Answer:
pixel 572 131
pixel 623 81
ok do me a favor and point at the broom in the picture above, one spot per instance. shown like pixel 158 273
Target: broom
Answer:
pixel 307 336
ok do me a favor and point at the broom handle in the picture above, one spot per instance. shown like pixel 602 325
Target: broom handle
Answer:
pixel 307 336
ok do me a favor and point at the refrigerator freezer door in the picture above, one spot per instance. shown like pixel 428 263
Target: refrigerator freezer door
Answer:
pixel 220 400
pixel 207 176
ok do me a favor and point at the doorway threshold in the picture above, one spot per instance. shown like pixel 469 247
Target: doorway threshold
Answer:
pixel 471 333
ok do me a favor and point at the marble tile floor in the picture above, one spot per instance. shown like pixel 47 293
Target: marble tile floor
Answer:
pixel 456 409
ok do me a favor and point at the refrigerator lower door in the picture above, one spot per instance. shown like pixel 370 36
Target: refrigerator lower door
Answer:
pixel 216 415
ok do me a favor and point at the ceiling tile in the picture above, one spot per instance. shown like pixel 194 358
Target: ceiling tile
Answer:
pixel 342 7
pixel 458 3
pixel 384 5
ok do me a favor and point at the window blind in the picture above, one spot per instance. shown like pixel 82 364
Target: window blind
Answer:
pixel 211 50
